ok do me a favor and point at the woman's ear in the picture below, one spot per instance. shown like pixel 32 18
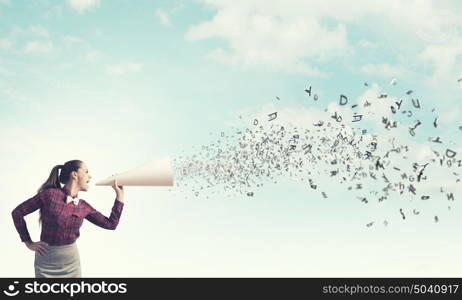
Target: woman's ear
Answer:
pixel 74 175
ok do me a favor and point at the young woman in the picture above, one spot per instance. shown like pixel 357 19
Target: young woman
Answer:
pixel 61 216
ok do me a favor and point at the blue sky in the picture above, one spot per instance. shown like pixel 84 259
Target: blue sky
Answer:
pixel 119 83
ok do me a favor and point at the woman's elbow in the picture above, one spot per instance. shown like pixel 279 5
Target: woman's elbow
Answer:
pixel 112 226
pixel 16 213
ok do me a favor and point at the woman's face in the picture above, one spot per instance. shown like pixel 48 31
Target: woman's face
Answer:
pixel 83 177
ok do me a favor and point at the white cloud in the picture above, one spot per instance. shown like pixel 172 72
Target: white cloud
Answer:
pixel 98 33
pixel 376 105
pixel 385 70
pixel 251 59
pixel 40 47
pixel 14 96
pixel 292 35
pixel 444 58
pixel 122 69
pixel 420 151
pixel 54 12
pixel 438 33
pixel 450 115
pixel 3 70
pixel 278 42
pixel 71 40
pixel 83 5
pixel 367 44
pixel 5 44
pixel 306 117
pixel 440 26
pixel 37 40
pixel 163 17
pixel 92 56
pixel 6 2
pixel 39 31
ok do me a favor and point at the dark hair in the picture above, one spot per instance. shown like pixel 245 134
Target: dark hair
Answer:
pixel 56 178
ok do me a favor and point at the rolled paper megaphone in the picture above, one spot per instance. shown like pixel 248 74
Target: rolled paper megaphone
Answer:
pixel 155 173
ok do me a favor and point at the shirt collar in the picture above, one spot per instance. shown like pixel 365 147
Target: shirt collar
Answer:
pixel 67 193
pixel 68 198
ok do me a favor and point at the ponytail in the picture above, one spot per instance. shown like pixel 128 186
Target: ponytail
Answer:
pixel 56 178
pixel 53 179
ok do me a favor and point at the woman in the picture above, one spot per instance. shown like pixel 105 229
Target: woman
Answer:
pixel 61 215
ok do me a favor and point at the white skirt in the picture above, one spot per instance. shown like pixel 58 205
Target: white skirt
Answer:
pixel 59 262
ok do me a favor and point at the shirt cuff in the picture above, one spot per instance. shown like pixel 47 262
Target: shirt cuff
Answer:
pixel 25 239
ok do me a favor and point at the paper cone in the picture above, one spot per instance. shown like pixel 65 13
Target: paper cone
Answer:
pixel 155 173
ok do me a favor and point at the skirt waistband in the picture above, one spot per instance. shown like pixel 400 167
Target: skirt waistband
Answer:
pixel 61 246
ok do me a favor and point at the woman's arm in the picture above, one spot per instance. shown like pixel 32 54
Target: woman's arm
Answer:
pixel 22 210
pixel 99 219
pixel 119 189
pixel 102 221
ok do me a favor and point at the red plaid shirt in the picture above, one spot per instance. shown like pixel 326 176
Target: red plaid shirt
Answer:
pixel 61 221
